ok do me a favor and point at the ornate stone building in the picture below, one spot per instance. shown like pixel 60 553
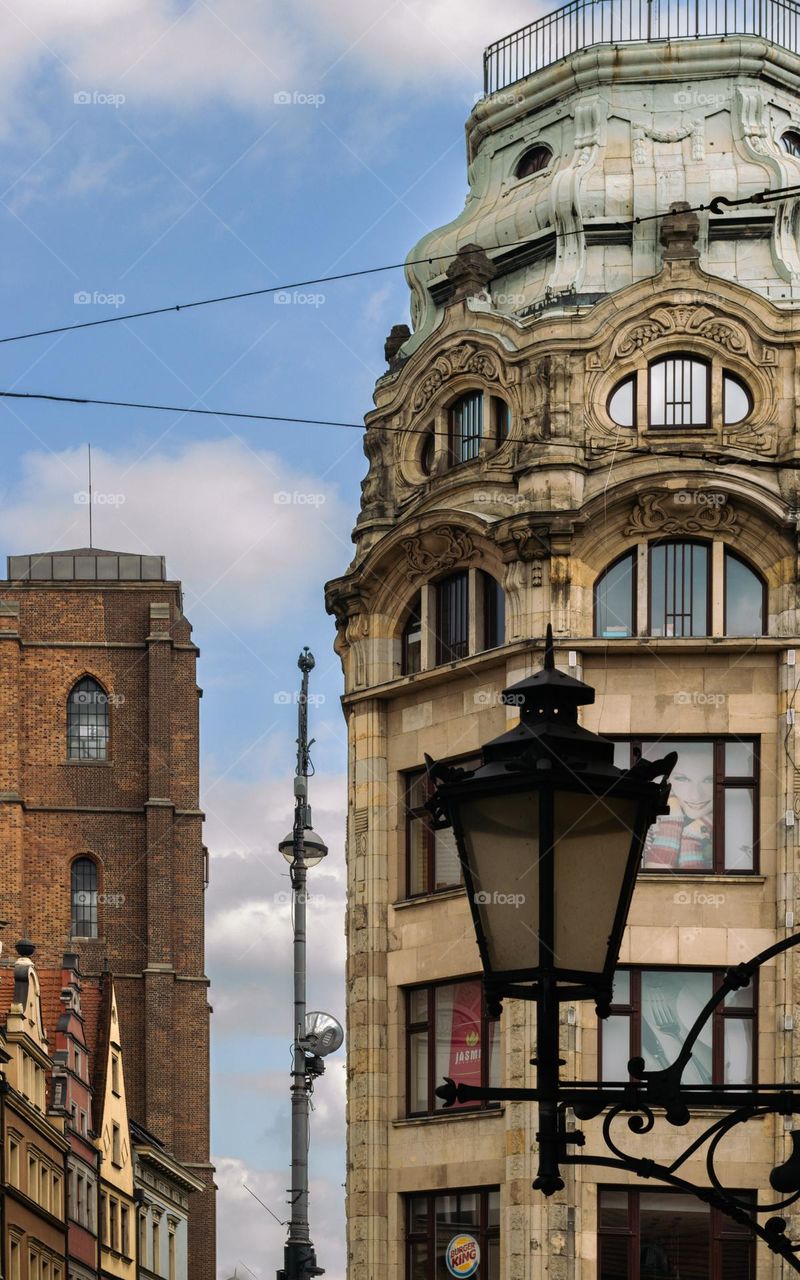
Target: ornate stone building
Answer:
pixel 592 423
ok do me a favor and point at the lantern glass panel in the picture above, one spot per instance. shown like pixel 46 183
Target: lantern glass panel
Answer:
pixel 501 840
pixel 592 837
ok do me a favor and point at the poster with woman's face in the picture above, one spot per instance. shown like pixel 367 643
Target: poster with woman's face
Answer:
pixel 685 836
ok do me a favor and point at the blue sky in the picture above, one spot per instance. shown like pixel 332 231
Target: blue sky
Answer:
pixel 144 161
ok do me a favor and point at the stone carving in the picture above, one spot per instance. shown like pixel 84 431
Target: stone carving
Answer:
pixel 470 272
pixel 376 485
pixel 698 321
pixel 666 514
pixel 437 550
pixel 679 233
pixel 466 358
pixel 694 129
pixel 531 544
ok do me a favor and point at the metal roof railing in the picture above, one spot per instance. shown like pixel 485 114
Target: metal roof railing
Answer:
pixel 586 22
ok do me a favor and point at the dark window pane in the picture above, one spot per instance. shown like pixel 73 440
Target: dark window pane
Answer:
pixel 466 427
pixel 501 418
pixel 679 589
pixel 737 1259
pixel 744 599
pixel 452 618
pixel 418 1260
pixel 613 1210
pixel 791 142
pixel 671 1001
pixel 494 612
pixel 674 1237
pixel 537 158
pixel 428 452
pixel 459 1011
pixel 613 1258
pixel 614 595
pixel 84 898
pixel 684 837
pixel 87 721
pixel 492 1271
pixel 493 1214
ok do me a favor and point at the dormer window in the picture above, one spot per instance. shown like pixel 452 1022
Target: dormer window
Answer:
pixel 790 142
pixel 678 393
pixel 465 427
pixel 534 160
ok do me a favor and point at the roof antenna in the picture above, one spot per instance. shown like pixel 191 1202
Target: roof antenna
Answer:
pixel 89 447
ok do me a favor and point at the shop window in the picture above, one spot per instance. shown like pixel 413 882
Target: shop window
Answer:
pixel 449 1034
pixel 658 1235
pixel 447 1231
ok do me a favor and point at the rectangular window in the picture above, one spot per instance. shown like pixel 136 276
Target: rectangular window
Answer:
pixel 124 1231
pixel 449 1034
pixel 653 1235
pixel 143 1239
pixel 452 617
pixel 712 825
pixel 431 856
pixel 116 1145
pixel 156 1257
pixel 412 638
pixel 173 1257
pixel 680 599
pixel 652 1012
pixel 679 393
pixel 14 1261
pixel 453 1227
pixel 13 1162
pixel 104 1217
pixel 78 1062
pixel 494 613
pixel 466 427
pixel 113 1223
pixel 115 1075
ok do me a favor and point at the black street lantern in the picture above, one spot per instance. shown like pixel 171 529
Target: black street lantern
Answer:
pixel 550 835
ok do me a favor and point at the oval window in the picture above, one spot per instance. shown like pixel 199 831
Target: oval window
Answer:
pixel 622 402
pixel 736 400
pixel 791 143
pixel 533 161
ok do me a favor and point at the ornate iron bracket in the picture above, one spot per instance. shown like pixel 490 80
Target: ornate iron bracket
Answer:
pixel 659 1092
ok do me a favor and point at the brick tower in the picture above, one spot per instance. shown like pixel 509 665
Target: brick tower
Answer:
pixel 100 831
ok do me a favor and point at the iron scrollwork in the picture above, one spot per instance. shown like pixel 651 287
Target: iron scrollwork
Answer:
pixel 662 1093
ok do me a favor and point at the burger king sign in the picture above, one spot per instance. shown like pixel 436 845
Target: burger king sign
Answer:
pixel 463 1256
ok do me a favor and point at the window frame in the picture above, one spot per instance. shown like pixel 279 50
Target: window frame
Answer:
pixel 413 614
pixel 706 364
pixel 655 544
pixel 722 782
pixel 633 379
pixel 476 396
pixel 493 621
pixel 429 1027
pixel 547 159
pixel 74 720
pixel 445 652
pixel 720 1228
pixel 486 1234
pixel 633 1011
pixel 414 814
pixel 94 908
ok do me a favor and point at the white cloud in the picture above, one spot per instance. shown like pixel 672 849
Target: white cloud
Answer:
pixel 240 527
pixel 243 51
pixel 252 1241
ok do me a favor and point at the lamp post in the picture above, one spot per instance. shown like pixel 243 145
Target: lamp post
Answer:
pixel 549 825
pixel 302 848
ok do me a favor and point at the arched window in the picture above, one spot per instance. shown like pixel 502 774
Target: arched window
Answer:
pixel 615 599
pixel 679 392
pixel 466 427
pixel 494 612
pixel 84 898
pixel 622 402
pixel 412 638
pixel 533 161
pixel 680 598
pixel 87 721
pixel 745 599
pixel 791 143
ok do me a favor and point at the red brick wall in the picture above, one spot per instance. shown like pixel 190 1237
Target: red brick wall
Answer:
pixel 137 815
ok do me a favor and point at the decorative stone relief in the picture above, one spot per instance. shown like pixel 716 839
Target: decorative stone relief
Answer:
pixel 694 129
pixel 437 550
pixel 466 358
pixel 700 321
pixel 666 514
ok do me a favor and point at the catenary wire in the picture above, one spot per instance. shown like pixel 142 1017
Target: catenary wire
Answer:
pixel 713 206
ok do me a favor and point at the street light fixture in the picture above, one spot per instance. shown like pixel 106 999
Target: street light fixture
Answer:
pixel 550 837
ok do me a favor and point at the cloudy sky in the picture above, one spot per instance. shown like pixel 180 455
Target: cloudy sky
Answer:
pixel 157 151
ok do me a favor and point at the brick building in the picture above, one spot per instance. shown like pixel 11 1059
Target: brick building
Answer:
pixel 101 850
pixel 593 423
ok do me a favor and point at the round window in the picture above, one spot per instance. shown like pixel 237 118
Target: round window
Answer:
pixel 533 161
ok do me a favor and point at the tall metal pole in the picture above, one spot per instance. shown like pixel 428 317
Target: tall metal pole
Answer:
pixel 299 1257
